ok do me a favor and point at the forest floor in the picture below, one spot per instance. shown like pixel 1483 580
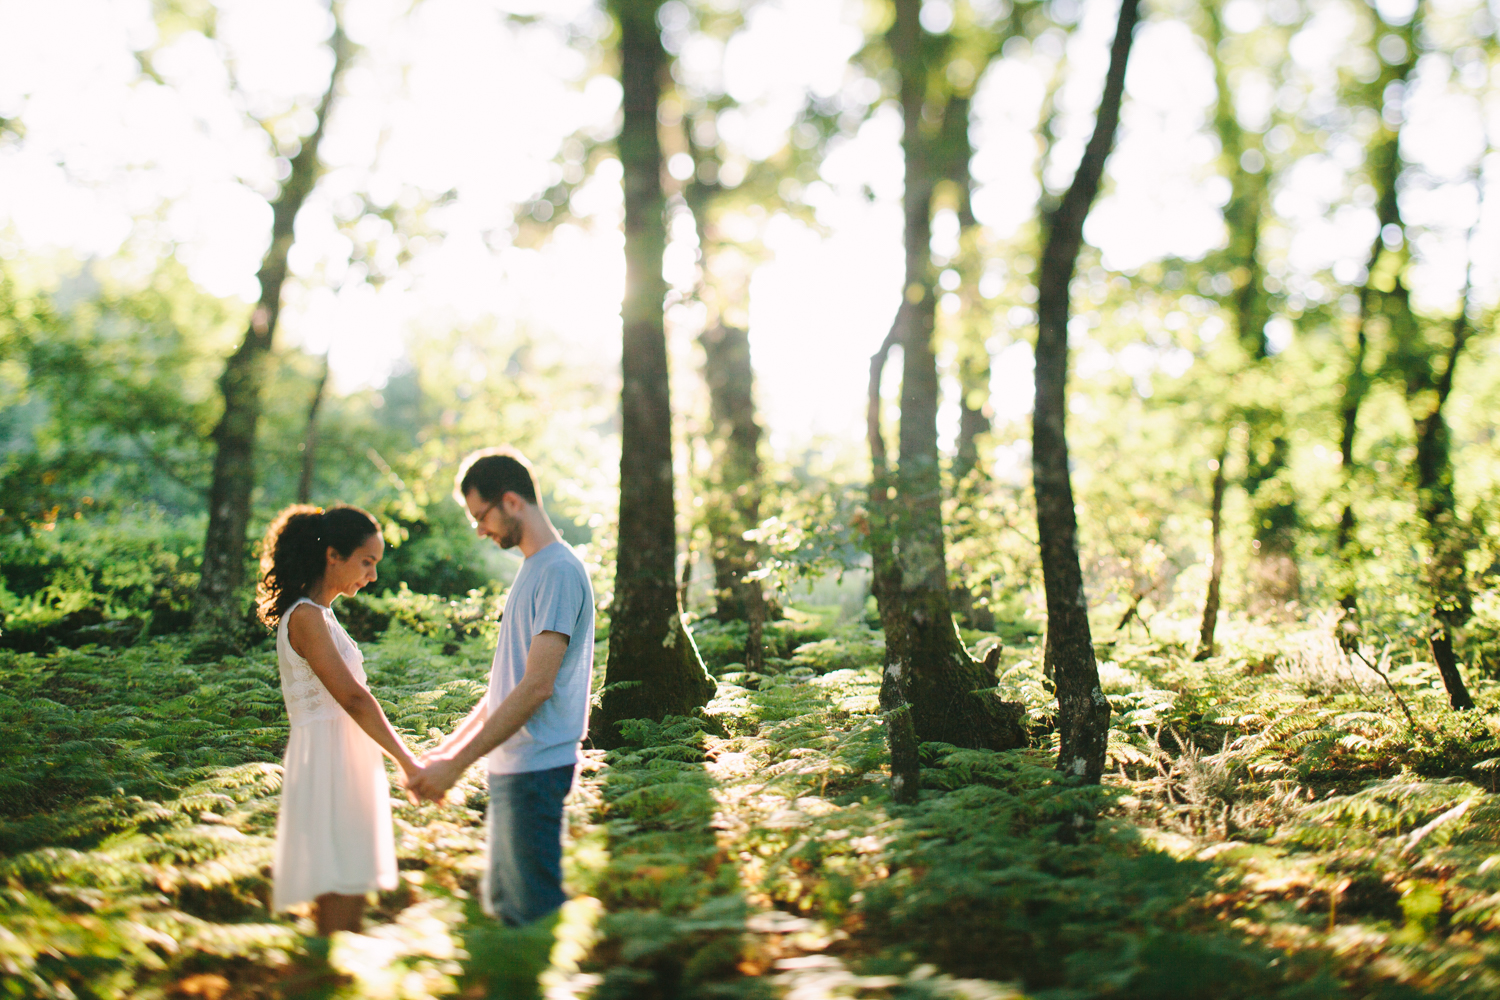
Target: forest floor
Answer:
pixel 1274 825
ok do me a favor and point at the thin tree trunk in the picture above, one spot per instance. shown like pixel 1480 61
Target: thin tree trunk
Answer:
pixel 653 668
pixel 1206 646
pixel 241 384
pixel 1273 562
pixel 1083 711
pixel 1446 572
pixel 1426 397
pixel 1274 569
pixel 956 151
pixel 1386 165
pixel 950 695
pixel 310 438
pixel 1356 386
pixel 734 504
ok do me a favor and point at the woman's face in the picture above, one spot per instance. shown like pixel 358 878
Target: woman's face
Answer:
pixel 350 575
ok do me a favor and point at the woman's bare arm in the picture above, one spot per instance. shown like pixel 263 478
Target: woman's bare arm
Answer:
pixel 309 635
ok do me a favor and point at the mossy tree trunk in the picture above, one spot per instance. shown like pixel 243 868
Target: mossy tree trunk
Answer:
pixel 1083 711
pixel 928 675
pixel 653 668
pixel 244 377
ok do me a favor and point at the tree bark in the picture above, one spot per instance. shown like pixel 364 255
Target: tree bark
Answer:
pixel 885 584
pixel 950 695
pixel 1277 578
pixel 1206 646
pixel 244 377
pixel 653 668
pixel 955 151
pixel 310 438
pixel 734 506
pixel 1083 711
pixel 1446 571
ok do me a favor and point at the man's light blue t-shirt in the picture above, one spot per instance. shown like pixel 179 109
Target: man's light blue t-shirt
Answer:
pixel 551 593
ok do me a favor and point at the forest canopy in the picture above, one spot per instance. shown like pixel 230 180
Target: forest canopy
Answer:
pixel 1035 460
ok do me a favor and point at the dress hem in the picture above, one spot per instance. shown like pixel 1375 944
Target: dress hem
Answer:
pixel 280 906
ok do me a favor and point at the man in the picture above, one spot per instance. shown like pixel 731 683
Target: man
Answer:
pixel 535 713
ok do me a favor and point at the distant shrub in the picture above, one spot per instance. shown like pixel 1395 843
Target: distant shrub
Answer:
pixel 57 585
pixel 438 554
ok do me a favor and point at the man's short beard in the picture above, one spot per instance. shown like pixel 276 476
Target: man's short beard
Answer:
pixel 511 531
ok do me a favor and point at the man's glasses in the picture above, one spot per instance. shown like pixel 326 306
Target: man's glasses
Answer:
pixel 474 521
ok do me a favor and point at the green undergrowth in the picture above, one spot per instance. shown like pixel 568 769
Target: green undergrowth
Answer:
pixel 1272 825
pixel 139 806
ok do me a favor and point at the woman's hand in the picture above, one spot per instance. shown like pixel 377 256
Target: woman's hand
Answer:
pixel 436 778
pixel 411 771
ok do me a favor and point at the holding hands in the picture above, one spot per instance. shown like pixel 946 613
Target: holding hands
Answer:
pixel 433 777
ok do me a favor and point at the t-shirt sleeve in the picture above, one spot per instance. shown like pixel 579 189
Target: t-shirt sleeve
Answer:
pixel 560 597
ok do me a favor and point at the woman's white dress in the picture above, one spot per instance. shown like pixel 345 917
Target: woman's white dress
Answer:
pixel 334 831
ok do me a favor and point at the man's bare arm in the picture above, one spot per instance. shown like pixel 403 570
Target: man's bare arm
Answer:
pixel 463 732
pixel 543 661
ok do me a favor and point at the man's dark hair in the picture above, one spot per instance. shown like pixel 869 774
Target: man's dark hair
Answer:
pixel 494 472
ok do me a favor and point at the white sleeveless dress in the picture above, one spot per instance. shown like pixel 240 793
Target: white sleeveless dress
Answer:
pixel 334 830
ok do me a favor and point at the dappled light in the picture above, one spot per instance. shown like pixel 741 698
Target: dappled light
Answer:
pixel 915 499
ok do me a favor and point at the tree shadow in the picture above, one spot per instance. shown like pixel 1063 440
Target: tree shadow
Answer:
pixel 675 911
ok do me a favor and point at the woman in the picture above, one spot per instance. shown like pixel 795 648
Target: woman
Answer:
pixel 334 841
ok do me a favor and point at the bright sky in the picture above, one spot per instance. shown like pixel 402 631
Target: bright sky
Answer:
pixel 454 98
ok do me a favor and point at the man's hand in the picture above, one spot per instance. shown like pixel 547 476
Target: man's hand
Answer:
pixel 433 781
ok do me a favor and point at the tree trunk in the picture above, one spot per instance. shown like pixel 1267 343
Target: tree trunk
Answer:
pixel 885 584
pixel 973 363
pixel 1446 570
pixel 653 668
pixel 1273 564
pixel 310 438
pixel 950 695
pixel 1083 711
pixel 1277 579
pixel 244 376
pixel 1385 166
pixel 734 504
pixel 956 150
pixel 1206 646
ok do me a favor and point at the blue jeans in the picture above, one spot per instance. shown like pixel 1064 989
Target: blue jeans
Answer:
pixel 523 877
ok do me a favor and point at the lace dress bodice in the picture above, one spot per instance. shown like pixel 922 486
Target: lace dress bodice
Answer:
pixel 307 700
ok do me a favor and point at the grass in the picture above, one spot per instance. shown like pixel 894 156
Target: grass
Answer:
pixel 1272 826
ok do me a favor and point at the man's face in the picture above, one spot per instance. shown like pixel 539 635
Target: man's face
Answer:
pixel 491 521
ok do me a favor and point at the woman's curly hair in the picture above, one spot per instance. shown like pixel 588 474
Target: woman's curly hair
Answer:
pixel 293 555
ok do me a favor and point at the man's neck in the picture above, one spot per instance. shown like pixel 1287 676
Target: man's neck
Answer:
pixel 537 533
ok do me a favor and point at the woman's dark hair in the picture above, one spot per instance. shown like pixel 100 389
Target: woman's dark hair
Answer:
pixel 294 553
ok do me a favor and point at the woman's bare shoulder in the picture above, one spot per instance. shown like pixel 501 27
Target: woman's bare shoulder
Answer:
pixel 306 620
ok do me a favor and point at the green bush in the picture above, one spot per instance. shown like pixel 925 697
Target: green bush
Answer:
pixel 87 572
